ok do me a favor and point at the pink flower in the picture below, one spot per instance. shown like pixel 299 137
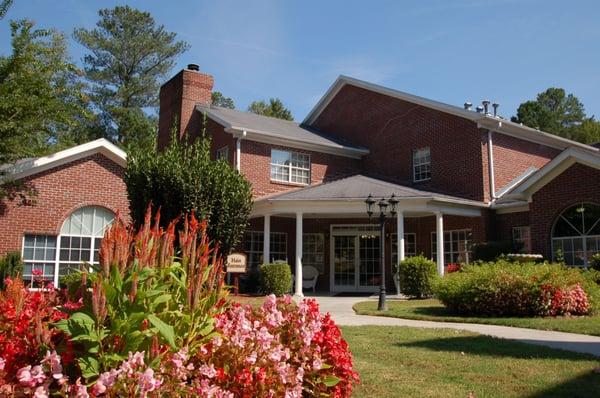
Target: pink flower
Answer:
pixel 208 371
pixel 147 381
pixel 80 390
pixel 37 272
pixel 53 361
pixel 30 377
pixel 2 363
pixel 41 392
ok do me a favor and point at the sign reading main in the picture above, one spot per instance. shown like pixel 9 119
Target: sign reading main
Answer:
pixel 236 263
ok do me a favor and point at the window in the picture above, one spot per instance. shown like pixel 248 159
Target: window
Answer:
pixel 421 164
pixel 291 167
pixel 522 238
pixel 410 246
pixel 78 243
pixel 253 247
pixel 223 153
pixel 576 234
pixel 457 246
pixel 39 254
pixel 313 249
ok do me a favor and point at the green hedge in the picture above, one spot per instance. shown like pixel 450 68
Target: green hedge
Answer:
pixel 504 288
pixel 11 266
pixel 416 276
pixel 275 279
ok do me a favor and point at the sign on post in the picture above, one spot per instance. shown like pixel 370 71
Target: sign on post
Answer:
pixel 236 265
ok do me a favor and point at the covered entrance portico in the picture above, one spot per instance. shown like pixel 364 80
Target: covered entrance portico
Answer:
pixel 354 256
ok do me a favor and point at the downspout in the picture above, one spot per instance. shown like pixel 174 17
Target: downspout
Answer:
pixel 238 152
pixel 491 166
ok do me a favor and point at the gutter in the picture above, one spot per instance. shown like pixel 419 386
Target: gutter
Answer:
pixel 491 167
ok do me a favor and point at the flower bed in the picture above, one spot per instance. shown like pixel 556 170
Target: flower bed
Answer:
pixel 157 325
pixel 513 289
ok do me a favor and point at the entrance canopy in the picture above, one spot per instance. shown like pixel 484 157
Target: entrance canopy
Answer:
pixel 346 197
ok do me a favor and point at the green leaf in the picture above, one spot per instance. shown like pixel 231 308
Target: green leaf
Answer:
pixel 331 380
pixel 162 299
pixel 90 367
pixel 165 330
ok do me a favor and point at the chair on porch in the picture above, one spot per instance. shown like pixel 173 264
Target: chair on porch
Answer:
pixel 309 277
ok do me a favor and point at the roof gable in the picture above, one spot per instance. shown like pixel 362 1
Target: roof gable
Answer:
pixel 482 120
pixel 28 167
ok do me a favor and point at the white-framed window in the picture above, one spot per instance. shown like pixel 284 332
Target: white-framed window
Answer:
pixel 78 244
pixel 292 167
pixel 410 246
pixel 421 164
pixel 253 247
pixel 457 246
pixel 313 250
pixel 39 254
pixel 223 153
pixel 522 237
pixel 576 234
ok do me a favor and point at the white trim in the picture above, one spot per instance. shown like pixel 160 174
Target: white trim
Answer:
pixel 553 169
pixel 37 165
pixel 491 174
pixel 518 207
pixel 298 274
pixel 483 121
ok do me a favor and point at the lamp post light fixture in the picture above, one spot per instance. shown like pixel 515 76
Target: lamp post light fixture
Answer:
pixel 383 210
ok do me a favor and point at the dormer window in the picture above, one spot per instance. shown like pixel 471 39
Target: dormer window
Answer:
pixel 290 167
pixel 421 164
pixel 223 153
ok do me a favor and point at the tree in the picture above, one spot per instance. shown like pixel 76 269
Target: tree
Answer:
pixel 4 6
pixel 218 99
pixel 183 178
pixel 129 56
pixel 42 103
pixel 553 111
pixel 274 108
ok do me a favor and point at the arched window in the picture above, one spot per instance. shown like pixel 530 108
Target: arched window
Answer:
pixel 576 233
pixel 78 243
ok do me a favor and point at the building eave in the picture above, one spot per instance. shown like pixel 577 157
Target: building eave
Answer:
pixel 38 165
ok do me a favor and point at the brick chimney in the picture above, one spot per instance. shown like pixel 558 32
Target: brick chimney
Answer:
pixel 178 99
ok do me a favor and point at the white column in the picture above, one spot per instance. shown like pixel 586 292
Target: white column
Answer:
pixel 267 240
pixel 440 242
pixel 238 154
pixel 298 290
pixel 400 231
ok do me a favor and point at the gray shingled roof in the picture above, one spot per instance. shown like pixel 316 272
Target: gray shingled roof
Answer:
pixel 358 187
pixel 270 126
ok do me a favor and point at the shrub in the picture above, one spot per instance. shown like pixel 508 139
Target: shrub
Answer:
pixel 72 283
pixel 275 278
pixel 595 262
pixel 512 289
pixel 182 178
pixel 416 276
pixel 11 266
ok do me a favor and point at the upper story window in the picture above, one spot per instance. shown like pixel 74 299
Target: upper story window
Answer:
pixel 289 166
pixel 421 164
pixel 223 153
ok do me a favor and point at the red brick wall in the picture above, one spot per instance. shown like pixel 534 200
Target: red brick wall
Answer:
pixel 220 139
pixel 506 222
pixel 392 129
pixel 512 156
pixel 91 181
pixel 178 99
pixel 256 160
pixel 569 188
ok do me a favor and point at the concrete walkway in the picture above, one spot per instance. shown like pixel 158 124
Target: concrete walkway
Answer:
pixel 341 311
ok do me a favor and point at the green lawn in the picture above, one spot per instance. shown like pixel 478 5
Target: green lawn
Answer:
pixel 411 362
pixel 433 310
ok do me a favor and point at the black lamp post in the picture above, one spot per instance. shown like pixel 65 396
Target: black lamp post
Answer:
pixel 383 205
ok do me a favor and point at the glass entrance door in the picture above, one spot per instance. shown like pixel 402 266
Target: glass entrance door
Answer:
pixel 355 256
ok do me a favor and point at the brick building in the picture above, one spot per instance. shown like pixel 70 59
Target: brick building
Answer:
pixel 459 176
pixel 78 192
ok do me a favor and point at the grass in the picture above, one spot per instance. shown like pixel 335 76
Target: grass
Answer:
pixel 411 362
pixel 433 310
pixel 254 301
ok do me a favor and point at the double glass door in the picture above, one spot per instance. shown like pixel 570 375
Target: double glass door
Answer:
pixel 356 261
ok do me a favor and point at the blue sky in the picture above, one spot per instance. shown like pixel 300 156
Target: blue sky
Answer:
pixel 450 51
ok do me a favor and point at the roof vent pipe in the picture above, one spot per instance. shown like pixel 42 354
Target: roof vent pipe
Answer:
pixel 468 105
pixel 479 109
pixel 486 104
pixel 193 67
pixel 495 105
